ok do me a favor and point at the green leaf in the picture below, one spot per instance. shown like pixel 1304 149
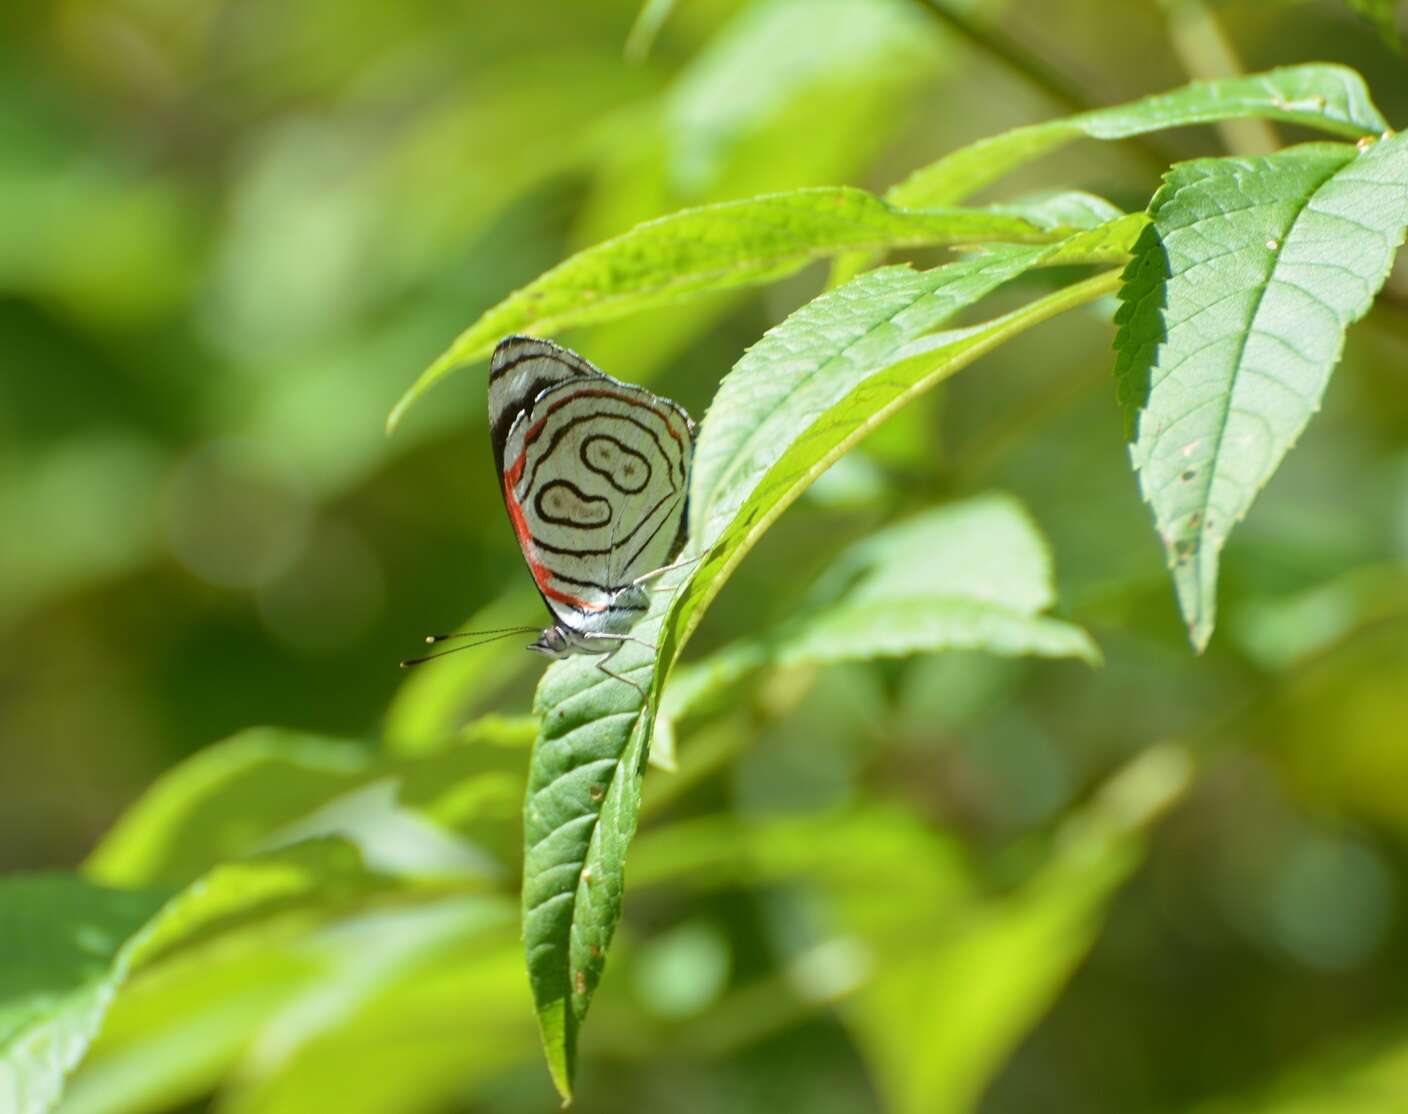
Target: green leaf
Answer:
pixel 1329 98
pixel 419 1002
pixel 67 945
pixel 60 943
pixel 804 394
pixel 220 802
pixel 1065 209
pixel 1234 315
pixel 172 1033
pixel 972 575
pixel 267 786
pixel 382 1008
pixel 712 247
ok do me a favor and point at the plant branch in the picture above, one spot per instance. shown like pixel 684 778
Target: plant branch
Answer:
pixel 1058 86
pixel 1207 53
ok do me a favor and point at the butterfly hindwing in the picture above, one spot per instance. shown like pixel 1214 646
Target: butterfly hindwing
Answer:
pixel 595 474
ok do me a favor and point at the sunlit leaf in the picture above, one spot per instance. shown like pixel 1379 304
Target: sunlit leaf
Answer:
pixel 1063 209
pixel 1234 315
pixel 973 575
pixel 713 247
pixel 1329 98
pixel 378 1009
pixel 429 998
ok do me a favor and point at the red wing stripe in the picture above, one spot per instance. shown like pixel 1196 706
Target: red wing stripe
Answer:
pixel 540 572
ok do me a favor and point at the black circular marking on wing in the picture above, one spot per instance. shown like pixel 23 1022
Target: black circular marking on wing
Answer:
pixel 563 503
pixel 619 465
pixel 566 427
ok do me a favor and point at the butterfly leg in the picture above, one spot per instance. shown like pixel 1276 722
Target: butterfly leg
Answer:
pixel 655 574
pixel 622 639
pixel 616 676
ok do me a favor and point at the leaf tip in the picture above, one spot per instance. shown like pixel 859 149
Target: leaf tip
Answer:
pixel 393 419
pixel 1200 624
pixel 552 1025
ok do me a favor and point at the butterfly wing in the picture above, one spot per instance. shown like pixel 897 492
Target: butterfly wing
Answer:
pixel 521 369
pixel 595 476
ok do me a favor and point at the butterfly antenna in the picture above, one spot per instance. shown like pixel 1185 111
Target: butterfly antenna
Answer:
pixel 497 632
pixel 484 640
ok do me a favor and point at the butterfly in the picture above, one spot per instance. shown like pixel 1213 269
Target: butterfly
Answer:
pixel 595 479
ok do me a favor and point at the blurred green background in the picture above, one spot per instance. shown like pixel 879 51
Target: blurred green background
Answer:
pixel 234 230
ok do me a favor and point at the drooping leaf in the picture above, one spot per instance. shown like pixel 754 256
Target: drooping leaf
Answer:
pixel 810 389
pixel 713 247
pixel 1329 98
pixel 1234 315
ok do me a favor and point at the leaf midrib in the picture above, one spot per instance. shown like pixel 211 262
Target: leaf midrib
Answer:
pixel 742 453
pixel 1225 402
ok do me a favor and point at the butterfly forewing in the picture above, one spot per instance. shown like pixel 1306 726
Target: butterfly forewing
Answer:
pixel 594 473
pixel 521 369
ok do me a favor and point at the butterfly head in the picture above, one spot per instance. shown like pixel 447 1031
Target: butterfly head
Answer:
pixel 553 642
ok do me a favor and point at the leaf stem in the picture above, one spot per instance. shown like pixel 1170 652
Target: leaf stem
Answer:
pixel 1207 53
pixel 1060 87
